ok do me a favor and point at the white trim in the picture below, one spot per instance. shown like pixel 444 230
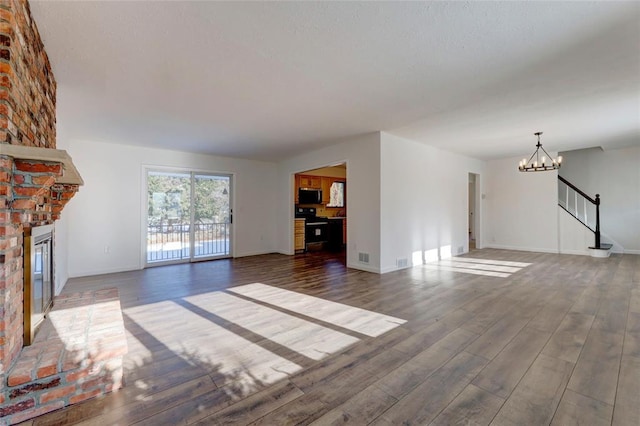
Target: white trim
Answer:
pixel 394 268
pixel 517 248
pixel 576 252
pixel 363 267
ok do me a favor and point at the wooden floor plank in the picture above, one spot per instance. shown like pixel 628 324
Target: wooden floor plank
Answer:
pixel 632 336
pixel 255 406
pixel 415 371
pixel 551 315
pixel 362 408
pixel 300 411
pixel 627 405
pixel 496 337
pixel 505 371
pixel 567 341
pixel 576 409
pixel 424 403
pixel 596 373
pixel 134 412
pixel 474 406
pixel 634 300
pixel 483 320
pixel 426 337
pixel 557 341
pixel 535 399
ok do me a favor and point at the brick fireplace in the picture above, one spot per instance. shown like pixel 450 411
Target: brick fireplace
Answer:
pixel 36 182
pixel 27 119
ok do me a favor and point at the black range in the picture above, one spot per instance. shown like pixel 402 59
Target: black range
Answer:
pixel 315 227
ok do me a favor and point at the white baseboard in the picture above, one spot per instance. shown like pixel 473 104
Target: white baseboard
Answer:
pixel 255 253
pixel 518 248
pixel 630 251
pixel 81 274
pixel 363 267
pixel 394 268
pixel 576 252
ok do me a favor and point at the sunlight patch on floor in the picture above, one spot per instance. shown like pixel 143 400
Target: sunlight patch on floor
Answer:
pixel 304 337
pixel 479 266
pixel 491 262
pixel 351 318
pixel 469 265
pixel 228 357
pixel 232 338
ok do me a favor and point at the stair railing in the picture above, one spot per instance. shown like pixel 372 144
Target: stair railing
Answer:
pixel 581 206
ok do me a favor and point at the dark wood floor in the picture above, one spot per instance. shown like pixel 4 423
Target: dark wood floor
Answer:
pixel 556 342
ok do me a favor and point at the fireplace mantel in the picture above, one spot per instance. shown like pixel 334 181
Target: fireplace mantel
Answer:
pixel 70 174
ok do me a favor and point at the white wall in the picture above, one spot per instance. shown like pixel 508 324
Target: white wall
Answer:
pixel 339 172
pixel 362 155
pixel 424 201
pixel 573 236
pixel 108 209
pixel 61 244
pixel 60 255
pixel 521 209
pixel 615 175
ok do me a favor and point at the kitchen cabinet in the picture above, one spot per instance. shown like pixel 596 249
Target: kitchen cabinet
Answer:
pixel 344 231
pixel 313 182
pixel 335 233
pixel 326 183
pixel 298 235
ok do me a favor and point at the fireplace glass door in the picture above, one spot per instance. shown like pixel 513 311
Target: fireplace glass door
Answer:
pixel 41 279
pixel 38 283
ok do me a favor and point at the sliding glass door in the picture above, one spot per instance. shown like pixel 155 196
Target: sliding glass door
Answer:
pixel 211 215
pixel 188 216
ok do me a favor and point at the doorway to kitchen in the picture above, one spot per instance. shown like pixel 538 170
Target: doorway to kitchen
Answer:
pixel 189 216
pixel 320 209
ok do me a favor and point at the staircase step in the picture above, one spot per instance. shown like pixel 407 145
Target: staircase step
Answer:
pixel 603 246
pixel 603 251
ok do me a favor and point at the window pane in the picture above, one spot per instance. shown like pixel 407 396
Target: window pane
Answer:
pixel 212 215
pixel 336 195
pixel 169 196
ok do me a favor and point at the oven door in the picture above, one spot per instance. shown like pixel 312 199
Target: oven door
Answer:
pixel 316 232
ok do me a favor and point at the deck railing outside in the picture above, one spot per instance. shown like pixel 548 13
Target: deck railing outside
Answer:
pixel 172 241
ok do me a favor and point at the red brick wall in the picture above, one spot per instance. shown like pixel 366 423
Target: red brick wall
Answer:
pixel 27 117
pixel 27 84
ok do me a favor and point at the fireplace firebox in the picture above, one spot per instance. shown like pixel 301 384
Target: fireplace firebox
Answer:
pixel 38 278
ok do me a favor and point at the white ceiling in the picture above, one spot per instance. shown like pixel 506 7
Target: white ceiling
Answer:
pixel 269 80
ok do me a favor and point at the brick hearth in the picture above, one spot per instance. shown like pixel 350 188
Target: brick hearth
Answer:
pixel 76 355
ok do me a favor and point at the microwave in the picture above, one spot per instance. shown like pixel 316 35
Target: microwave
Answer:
pixel 309 196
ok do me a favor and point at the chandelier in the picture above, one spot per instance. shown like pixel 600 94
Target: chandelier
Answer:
pixel 538 163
